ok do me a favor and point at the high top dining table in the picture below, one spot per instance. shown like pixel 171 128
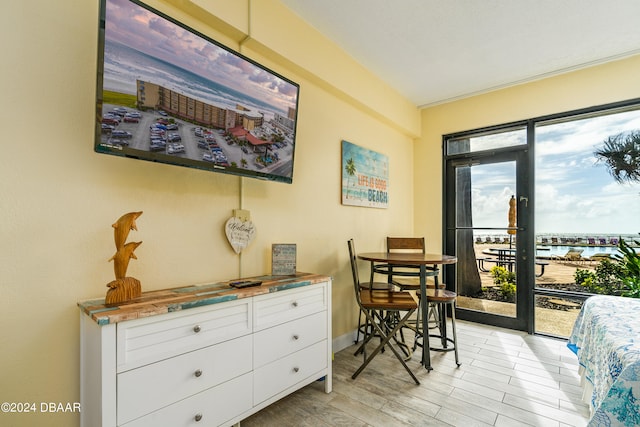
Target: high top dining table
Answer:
pixel 419 260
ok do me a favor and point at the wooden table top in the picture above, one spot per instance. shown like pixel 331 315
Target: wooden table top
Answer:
pixel 168 300
pixel 408 258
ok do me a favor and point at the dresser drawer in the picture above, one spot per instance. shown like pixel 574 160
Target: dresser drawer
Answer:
pixel 278 376
pixel 281 307
pixel 274 343
pixel 210 408
pixel 148 340
pixel 152 387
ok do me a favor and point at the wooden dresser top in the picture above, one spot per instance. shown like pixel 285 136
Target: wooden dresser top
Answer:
pixel 174 299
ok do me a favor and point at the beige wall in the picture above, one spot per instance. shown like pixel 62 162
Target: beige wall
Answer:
pixel 58 198
pixel 607 83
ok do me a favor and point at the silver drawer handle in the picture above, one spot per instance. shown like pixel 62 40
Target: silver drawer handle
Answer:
pixel 294 304
pixel 198 417
pixel 296 337
pixel 296 369
pixel 198 373
pixel 196 329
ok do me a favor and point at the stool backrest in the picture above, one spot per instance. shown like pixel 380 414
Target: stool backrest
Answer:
pixel 405 244
pixel 354 268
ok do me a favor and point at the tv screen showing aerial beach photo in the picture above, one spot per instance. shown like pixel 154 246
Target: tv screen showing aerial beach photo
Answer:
pixel 169 94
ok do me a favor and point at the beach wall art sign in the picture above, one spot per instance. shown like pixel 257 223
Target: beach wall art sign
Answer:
pixel 365 177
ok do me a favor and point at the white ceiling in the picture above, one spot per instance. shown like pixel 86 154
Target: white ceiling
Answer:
pixel 433 51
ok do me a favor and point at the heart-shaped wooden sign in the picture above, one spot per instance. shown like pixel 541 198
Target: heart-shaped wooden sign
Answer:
pixel 239 233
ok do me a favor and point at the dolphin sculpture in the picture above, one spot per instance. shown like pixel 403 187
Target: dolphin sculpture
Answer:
pixel 122 226
pixel 121 259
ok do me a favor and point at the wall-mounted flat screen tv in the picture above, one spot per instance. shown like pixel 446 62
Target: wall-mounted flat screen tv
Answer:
pixel 169 94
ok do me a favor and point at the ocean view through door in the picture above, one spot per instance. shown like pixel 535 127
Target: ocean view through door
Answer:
pixel 582 211
pixel 574 179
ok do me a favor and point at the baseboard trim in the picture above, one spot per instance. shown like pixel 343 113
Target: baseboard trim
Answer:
pixel 343 341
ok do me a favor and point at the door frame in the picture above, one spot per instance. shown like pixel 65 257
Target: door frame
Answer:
pixel 525 241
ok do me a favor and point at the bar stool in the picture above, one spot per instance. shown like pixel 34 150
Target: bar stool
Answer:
pixel 407 277
pixel 439 299
pixel 394 272
pixel 371 302
pixel 366 328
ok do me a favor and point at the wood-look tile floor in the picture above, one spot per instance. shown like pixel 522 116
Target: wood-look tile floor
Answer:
pixel 507 378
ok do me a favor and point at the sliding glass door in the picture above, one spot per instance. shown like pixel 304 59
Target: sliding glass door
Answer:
pixel 535 212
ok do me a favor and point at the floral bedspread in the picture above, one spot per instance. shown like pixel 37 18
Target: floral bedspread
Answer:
pixel 606 339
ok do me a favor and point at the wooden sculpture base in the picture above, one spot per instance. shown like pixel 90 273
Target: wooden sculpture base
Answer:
pixel 121 290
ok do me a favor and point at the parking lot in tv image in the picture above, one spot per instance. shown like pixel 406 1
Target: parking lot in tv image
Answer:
pixel 157 132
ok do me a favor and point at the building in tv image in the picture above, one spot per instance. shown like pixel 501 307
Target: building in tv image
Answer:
pixel 169 94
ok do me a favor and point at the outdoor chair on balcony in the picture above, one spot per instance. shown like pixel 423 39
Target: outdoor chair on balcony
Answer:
pixel 597 258
pixel 573 255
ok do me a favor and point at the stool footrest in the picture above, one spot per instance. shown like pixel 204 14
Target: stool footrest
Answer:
pixel 442 348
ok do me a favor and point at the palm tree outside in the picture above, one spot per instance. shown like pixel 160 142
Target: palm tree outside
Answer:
pixel 621 154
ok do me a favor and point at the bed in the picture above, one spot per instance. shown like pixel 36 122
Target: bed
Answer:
pixel 606 339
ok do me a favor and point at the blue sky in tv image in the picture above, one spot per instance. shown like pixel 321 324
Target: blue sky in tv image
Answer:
pixel 164 53
pixel 575 194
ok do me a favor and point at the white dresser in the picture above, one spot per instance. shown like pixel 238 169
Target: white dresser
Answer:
pixel 203 355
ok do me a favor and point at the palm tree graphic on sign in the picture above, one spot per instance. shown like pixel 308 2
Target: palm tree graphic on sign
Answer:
pixel 350 169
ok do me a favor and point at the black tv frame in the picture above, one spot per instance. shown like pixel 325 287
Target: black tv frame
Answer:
pixel 287 121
